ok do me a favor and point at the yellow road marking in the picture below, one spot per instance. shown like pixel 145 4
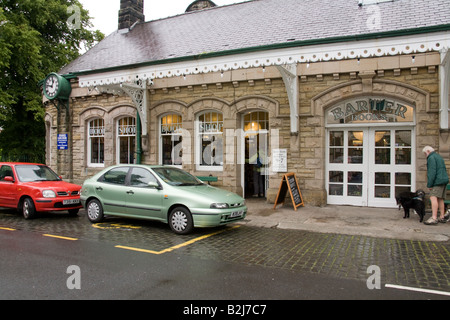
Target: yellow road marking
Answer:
pixel 7 229
pixel 60 237
pixel 113 226
pixel 178 245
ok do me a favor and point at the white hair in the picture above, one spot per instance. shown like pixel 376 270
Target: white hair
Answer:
pixel 428 148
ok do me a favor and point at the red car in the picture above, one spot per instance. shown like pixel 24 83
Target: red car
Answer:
pixel 31 188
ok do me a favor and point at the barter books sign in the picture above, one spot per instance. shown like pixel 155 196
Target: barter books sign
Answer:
pixel 370 110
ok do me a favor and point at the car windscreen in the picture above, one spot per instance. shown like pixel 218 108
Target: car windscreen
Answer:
pixel 30 173
pixel 176 177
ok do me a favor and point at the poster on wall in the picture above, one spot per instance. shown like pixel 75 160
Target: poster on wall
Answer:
pixel 63 141
pixel 279 160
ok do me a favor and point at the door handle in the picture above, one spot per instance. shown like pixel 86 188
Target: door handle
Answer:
pixel 130 192
pixel 99 188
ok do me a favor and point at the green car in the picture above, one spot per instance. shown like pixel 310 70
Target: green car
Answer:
pixel 162 193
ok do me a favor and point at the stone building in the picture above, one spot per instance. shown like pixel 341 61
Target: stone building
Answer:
pixel 343 93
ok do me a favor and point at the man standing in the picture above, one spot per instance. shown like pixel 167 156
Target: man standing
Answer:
pixel 437 183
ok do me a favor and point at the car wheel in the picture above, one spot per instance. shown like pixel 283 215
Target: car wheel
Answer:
pixel 28 209
pixel 180 221
pixel 95 211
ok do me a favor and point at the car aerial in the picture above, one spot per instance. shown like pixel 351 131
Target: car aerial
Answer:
pixel 32 188
pixel 162 193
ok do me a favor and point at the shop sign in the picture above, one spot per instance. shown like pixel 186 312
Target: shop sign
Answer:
pixel 370 110
pixel 171 128
pixel 210 127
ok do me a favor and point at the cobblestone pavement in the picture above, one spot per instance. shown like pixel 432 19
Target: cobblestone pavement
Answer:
pixel 422 264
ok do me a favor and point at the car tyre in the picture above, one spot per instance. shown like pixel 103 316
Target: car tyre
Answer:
pixel 95 211
pixel 180 221
pixel 28 209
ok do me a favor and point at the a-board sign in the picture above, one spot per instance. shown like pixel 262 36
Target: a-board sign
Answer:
pixel 289 182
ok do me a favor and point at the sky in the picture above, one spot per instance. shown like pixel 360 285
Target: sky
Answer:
pixel 105 12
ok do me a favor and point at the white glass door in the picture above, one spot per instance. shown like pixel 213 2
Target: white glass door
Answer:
pixel 347 161
pixel 391 169
pixel 369 166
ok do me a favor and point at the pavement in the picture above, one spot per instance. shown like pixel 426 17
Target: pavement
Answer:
pixel 348 220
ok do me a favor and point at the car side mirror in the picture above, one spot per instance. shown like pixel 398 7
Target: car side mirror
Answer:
pixel 154 184
pixel 8 179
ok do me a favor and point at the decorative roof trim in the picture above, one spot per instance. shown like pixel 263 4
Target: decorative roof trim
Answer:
pixel 271 56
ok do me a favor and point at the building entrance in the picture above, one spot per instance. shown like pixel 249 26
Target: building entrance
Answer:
pixel 255 145
pixel 369 166
pixel 370 151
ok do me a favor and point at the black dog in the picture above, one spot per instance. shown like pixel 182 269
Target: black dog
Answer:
pixel 412 200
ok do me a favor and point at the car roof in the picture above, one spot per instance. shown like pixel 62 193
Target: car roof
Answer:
pixel 151 166
pixel 20 163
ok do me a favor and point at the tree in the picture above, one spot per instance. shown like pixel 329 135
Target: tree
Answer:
pixel 36 37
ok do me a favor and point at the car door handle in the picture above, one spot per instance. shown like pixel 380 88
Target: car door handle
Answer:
pixel 99 188
pixel 130 192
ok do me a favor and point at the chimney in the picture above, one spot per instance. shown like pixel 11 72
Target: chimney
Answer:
pixel 131 11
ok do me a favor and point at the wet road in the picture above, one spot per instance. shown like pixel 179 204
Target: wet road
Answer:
pixel 132 259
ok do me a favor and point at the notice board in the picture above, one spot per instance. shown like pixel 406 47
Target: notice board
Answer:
pixel 289 182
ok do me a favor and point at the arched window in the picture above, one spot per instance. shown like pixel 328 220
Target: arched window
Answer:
pixel 96 143
pixel 171 150
pixel 126 140
pixel 209 151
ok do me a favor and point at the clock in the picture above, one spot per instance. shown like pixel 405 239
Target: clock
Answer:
pixel 56 87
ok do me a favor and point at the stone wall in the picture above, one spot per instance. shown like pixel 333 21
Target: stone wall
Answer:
pixel 238 92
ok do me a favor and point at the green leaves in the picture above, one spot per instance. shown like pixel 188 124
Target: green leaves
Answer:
pixel 36 38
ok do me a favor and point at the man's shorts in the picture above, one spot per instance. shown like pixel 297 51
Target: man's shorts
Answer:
pixel 438 191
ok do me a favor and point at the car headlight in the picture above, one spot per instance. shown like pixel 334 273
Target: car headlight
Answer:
pixel 219 206
pixel 48 194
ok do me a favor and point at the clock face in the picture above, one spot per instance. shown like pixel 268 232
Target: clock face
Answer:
pixel 51 86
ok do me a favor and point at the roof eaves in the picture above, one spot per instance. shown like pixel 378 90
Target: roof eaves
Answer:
pixel 284 45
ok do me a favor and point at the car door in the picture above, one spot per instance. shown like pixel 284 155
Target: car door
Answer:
pixel 144 200
pixel 8 189
pixel 112 190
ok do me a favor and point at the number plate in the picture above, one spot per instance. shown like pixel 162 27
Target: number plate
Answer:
pixel 236 214
pixel 71 201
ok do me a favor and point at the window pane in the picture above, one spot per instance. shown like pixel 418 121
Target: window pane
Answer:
pixel 336 138
pixel 211 150
pixel 382 191
pixel 355 155
pixel 403 178
pixel 336 190
pixel 97 150
pixel 355 138
pixel 127 149
pixel 115 176
pixel 336 155
pixel 402 155
pixel 382 138
pixel 172 151
pixel 382 178
pixel 403 138
pixel 140 177
pixel 382 156
pixel 336 176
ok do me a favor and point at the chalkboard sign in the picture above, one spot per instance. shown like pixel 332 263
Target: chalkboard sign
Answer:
pixel 289 182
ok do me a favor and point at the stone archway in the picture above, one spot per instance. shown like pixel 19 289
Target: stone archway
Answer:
pixel 368 86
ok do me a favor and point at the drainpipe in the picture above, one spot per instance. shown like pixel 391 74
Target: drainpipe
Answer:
pixel 444 73
pixel 138 139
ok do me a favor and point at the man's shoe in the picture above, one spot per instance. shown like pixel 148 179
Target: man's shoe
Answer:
pixel 431 221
